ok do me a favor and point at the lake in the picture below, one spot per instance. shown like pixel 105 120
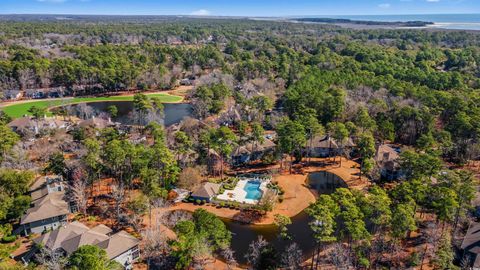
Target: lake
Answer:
pixel 445 21
pixel 242 235
pixel 174 112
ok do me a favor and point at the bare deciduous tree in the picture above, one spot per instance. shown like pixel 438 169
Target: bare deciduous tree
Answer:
pixel 118 195
pixel 190 178
pixel 52 260
pixel 155 247
pixel 254 252
pixel 201 253
pixel 229 257
pixel 79 190
pixel 292 257
pixel 339 256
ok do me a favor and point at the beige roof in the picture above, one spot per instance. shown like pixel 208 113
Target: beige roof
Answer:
pixel 39 193
pixel 22 122
pixel 386 153
pixel 54 239
pixel 76 234
pixel 95 122
pixel 39 188
pixel 39 183
pixel 349 143
pixel 118 244
pixel 250 147
pixel 212 152
pixel 102 229
pixel 52 205
pixel 265 145
pixel 207 190
pixel 86 238
pixel 472 237
pixel 476 263
pixel 324 142
pixel 241 150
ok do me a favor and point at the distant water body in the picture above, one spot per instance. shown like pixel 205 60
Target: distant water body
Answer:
pixel 445 21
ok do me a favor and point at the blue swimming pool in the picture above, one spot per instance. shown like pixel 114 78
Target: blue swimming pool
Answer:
pixel 253 190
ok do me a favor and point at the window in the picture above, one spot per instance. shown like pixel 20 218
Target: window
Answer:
pixel 135 253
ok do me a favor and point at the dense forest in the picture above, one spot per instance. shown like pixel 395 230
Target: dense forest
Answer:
pixel 416 84
pixel 416 88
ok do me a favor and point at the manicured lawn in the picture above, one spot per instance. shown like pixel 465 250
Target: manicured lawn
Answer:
pixel 20 109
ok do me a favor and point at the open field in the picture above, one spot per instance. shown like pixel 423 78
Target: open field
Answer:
pixel 18 109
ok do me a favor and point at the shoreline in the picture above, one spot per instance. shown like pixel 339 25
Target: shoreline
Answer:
pixel 8 107
pixel 298 196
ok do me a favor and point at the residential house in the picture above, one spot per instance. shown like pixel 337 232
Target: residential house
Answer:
pixel 28 124
pixel 49 208
pixel 253 151
pixel 97 123
pixel 206 192
pixel 471 245
pixel 186 82
pixel 323 146
pixel 39 93
pixel 387 158
pixel 121 246
pixel 12 95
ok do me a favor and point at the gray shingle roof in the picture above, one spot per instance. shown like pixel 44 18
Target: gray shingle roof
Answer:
pixel 76 234
pixel 52 205
pixel 207 190
pixel 118 244
pixel 472 236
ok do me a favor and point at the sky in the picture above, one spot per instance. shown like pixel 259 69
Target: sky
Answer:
pixel 239 7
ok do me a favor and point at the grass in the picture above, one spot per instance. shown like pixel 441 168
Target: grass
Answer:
pixel 21 109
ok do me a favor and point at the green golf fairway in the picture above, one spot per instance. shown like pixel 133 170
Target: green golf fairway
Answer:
pixel 21 109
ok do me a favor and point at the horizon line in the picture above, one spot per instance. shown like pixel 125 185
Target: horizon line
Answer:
pixel 238 16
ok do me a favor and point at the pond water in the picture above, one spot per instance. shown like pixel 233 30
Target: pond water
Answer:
pixel 243 235
pixel 174 112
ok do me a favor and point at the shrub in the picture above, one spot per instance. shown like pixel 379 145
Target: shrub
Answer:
pixel 204 201
pixel 198 201
pixel 280 198
pixel 414 260
pixel 9 238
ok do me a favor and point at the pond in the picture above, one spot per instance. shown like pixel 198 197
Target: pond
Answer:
pixel 174 112
pixel 243 235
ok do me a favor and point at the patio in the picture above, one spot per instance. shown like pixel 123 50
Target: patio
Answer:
pixel 240 193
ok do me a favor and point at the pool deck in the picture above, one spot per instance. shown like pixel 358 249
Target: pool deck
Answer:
pixel 298 195
pixel 239 194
